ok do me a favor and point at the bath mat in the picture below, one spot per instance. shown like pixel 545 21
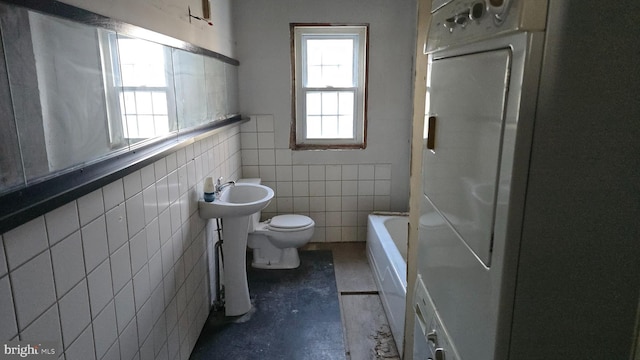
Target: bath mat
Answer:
pixel 295 315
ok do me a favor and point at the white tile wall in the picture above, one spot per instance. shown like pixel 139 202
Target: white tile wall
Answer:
pixel 337 196
pixel 119 273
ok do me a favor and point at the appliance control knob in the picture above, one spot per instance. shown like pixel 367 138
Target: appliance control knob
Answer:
pixel 476 11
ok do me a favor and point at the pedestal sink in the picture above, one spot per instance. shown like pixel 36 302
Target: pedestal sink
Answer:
pixel 235 205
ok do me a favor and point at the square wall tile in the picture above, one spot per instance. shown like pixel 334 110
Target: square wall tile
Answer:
pixel 120 268
pixel 174 189
pixel 333 234
pixel 267 173
pixel 349 203
pixel 148 176
pixel 266 140
pixel 365 187
pixel 366 172
pixel 183 180
pixel 116 221
pixel 317 203
pixel 138 250
pixel 267 156
pixel 33 288
pixel 125 306
pixel 334 203
pixel 132 184
pixel 141 291
pixel 172 162
pixel 62 221
pixel 153 238
pixel 382 187
pixel 25 241
pixel 300 172
pixel 68 263
pixel 365 203
pixel 129 342
pixel 283 157
pixel 164 223
pixel 113 194
pixel 95 244
pixel 284 173
pixel 135 214
pixel 349 172
pixel 114 352
pixel 160 168
pixel 250 157
pixel 162 194
pixel 333 172
pixel 334 218
pixel 284 189
pixel 74 313
pixel 316 172
pixel 300 205
pixel 382 172
pixel 90 206
pixel 249 140
pixel 104 330
pixel 100 288
pixel 317 188
pixel 300 188
pixel 9 327
pixel 349 188
pixel 319 235
pixel 155 270
pixel 83 348
pixel 284 205
pixel 150 200
pixel 45 328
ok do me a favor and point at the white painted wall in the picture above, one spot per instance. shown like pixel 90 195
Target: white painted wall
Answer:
pixel 171 17
pixel 263 49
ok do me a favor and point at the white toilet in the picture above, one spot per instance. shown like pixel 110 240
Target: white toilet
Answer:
pixel 275 242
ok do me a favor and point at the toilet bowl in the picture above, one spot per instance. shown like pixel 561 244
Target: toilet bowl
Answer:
pixel 275 242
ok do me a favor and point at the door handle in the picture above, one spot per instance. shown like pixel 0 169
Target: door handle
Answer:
pixel 431 133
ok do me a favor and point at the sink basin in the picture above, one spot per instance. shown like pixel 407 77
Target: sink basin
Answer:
pixel 238 200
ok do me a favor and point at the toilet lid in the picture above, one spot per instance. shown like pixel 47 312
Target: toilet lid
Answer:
pixel 290 221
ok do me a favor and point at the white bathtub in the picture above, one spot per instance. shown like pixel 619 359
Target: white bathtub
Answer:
pixel 387 253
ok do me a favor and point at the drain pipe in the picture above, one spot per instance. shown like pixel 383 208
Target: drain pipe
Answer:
pixel 219 302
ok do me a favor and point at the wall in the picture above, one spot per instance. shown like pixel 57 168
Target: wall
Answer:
pixel 171 17
pixel 337 188
pixel 120 273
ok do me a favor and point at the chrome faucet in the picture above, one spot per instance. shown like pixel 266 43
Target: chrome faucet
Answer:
pixel 219 186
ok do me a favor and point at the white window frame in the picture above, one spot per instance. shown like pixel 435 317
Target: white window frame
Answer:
pixel 360 34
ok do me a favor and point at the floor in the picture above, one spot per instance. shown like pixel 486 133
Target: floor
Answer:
pixel 364 328
pixel 365 325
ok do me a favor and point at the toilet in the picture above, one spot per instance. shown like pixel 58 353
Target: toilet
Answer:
pixel 275 242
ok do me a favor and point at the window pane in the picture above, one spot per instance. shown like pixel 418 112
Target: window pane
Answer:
pixel 330 127
pixel 159 102
pixel 146 126
pixel 314 127
pixel 143 102
pixel 131 127
pixel 129 102
pixel 345 127
pixel 161 124
pixel 314 103
pixel 345 99
pixel 142 63
pixel 330 103
pixel 329 62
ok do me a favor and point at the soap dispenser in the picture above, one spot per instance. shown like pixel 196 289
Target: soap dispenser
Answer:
pixel 209 190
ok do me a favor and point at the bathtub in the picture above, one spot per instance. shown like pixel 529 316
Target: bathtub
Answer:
pixel 387 253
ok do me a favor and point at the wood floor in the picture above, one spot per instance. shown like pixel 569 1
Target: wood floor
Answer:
pixel 367 333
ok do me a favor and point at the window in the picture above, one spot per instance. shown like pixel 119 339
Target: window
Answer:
pixel 329 86
pixel 138 79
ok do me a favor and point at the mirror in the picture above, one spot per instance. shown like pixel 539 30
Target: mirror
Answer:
pixel 73 94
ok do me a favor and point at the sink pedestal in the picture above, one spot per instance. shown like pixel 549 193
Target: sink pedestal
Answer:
pixel 234 248
pixel 235 205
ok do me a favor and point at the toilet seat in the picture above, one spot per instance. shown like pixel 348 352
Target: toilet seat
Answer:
pixel 290 222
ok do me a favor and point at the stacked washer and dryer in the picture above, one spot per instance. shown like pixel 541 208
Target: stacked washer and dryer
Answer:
pixel 511 150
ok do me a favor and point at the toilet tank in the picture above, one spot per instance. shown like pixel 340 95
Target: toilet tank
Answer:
pixel 255 218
